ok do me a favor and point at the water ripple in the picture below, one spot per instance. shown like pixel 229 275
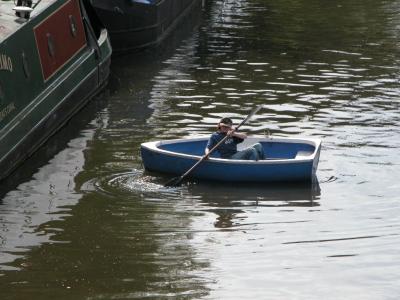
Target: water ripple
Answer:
pixel 130 184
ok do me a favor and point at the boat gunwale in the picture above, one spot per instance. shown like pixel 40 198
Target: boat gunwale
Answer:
pixel 154 147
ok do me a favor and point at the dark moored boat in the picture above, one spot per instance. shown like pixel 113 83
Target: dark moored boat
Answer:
pixel 52 60
pixel 137 24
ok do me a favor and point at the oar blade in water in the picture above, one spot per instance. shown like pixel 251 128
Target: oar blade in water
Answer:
pixel 176 181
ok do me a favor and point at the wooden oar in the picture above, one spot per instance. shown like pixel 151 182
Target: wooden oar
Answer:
pixel 177 180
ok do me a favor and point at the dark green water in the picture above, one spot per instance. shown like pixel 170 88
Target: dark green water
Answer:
pixel 87 223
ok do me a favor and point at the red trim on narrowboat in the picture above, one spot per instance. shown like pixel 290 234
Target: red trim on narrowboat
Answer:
pixel 60 37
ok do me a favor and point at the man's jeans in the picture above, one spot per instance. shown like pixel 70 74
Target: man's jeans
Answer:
pixel 254 152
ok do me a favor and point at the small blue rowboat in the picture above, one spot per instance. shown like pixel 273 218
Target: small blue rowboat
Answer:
pixel 287 159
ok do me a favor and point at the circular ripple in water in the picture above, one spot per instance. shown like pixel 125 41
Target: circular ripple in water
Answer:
pixel 128 183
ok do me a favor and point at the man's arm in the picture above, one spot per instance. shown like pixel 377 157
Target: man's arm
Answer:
pixel 239 135
pixel 210 144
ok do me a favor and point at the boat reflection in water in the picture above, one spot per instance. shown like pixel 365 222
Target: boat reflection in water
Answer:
pixel 230 202
pixel 274 194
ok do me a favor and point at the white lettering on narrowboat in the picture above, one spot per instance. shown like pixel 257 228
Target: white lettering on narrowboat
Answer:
pixel 6 111
pixel 5 63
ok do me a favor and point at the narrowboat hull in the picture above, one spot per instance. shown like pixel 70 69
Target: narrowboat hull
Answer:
pixel 56 64
pixel 288 159
pixel 135 25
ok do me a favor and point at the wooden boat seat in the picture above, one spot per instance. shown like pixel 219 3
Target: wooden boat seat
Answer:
pixel 302 154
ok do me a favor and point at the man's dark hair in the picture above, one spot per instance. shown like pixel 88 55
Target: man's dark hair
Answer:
pixel 227 121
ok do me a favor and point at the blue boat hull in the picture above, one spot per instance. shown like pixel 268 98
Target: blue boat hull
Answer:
pixel 290 166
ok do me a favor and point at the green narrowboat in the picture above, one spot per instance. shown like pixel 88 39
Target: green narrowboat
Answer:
pixel 54 57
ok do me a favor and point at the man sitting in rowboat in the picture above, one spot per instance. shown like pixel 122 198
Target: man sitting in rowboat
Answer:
pixel 228 149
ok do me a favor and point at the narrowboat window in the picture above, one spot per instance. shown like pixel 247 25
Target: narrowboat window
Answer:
pixel 50 45
pixel 25 65
pixel 1 93
pixel 72 24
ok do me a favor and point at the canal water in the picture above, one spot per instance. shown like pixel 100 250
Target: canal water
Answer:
pixel 82 220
